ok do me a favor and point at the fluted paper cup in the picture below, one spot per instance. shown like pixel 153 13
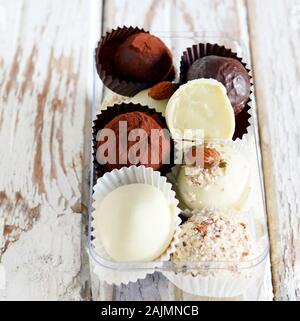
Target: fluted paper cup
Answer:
pixel 220 278
pixel 104 58
pixel 115 110
pixel 226 284
pixel 106 184
pixel 117 277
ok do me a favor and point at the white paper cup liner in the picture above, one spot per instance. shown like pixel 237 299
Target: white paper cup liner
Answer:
pixel 227 281
pixel 106 184
pixel 220 283
pixel 228 285
pixel 117 277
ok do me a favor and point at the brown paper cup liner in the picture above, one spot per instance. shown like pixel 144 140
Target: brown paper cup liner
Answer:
pixel 118 109
pixel 206 49
pixel 104 54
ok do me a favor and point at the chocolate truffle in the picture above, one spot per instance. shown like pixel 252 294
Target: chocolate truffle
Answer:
pixel 135 222
pixel 230 72
pixel 135 145
pixel 214 235
pixel 223 182
pixel 143 58
pixel 200 106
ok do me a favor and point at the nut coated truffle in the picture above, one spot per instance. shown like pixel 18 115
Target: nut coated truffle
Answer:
pixel 230 72
pixel 143 58
pixel 214 235
pixel 135 147
pixel 223 181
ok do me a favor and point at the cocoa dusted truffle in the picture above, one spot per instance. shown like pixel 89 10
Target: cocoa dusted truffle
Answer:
pixel 136 144
pixel 230 72
pixel 143 58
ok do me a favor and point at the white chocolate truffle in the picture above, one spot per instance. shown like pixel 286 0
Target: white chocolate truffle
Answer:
pixel 214 236
pixel 226 185
pixel 201 104
pixel 142 98
pixel 111 98
pixel 135 222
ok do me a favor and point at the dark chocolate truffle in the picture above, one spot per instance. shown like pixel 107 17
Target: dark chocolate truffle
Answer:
pixel 230 72
pixel 143 58
pixel 137 120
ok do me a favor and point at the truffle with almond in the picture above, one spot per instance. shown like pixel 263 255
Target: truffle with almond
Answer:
pixel 201 156
pixel 220 177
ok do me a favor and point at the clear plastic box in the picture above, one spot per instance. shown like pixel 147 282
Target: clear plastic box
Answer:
pixel 214 278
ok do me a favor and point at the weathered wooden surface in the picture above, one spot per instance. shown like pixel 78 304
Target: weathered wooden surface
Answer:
pixel 44 110
pixel 45 71
pixel 275 38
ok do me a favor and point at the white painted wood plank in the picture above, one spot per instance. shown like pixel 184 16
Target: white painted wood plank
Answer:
pixel 275 33
pixel 44 114
pixel 214 19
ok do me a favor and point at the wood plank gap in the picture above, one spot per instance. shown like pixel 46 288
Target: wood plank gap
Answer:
pixel 259 134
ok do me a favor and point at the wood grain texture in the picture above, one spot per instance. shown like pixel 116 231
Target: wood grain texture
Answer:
pixel 45 71
pixel 44 110
pixel 275 34
pixel 214 20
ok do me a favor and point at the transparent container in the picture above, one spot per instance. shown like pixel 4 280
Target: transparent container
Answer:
pixel 214 278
